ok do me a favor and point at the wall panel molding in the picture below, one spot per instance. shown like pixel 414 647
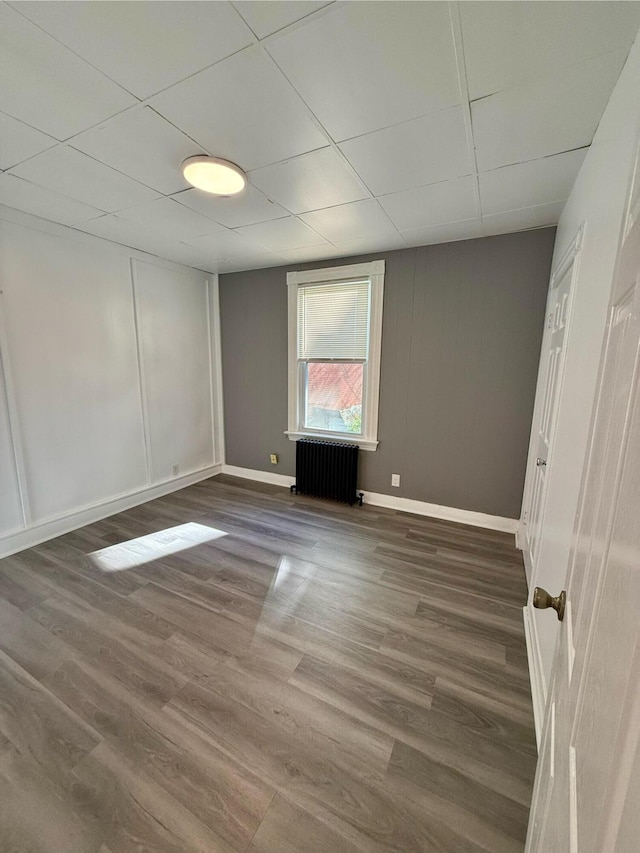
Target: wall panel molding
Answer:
pixel 141 374
pixel 12 416
pixel 54 499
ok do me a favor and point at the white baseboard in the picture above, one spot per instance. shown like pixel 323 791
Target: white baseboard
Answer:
pixel 52 527
pixel 538 687
pixel 462 516
pixel 446 513
pixel 259 476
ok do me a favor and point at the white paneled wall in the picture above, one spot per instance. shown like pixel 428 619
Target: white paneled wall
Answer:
pixel 175 343
pixel 71 349
pixel 107 380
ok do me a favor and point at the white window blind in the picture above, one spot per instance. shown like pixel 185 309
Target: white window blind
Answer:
pixel 333 320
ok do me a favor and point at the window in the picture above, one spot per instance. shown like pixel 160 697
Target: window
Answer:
pixel 335 336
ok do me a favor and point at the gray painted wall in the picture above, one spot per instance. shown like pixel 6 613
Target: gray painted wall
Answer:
pixel 461 338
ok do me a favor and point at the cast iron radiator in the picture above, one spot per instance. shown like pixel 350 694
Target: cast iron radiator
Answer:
pixel 327 469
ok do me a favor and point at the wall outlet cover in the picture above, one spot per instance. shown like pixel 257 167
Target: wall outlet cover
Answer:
pixel 274 458
pixel 395 479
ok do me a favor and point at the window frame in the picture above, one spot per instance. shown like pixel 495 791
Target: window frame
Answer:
pixel 374 272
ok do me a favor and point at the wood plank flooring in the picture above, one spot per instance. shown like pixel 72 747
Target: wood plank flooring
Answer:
pixel 266 673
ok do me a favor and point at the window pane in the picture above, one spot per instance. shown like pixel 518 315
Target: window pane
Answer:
pixel 333 320
pixel 334 397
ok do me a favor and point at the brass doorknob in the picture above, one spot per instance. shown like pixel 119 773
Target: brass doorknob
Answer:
pixel 542 600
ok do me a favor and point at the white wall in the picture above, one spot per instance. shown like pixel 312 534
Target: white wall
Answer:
pixel 107 379
pixel 598 202
pixel 173 328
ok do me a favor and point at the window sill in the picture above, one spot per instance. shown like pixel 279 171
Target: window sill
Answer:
pixel 363 443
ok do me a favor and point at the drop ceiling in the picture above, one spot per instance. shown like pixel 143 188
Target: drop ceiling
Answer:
pixel 363 126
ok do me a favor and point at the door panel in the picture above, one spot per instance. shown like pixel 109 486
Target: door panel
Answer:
pixel 557 320
pixel 611 636
pixel 581 800
pixel 544 796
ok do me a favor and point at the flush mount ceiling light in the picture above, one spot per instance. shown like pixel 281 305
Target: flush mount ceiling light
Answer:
pixel 214 175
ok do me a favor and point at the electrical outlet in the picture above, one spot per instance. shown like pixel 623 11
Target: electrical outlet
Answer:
pixel 174 469
pixel 395 479
pixel 274 458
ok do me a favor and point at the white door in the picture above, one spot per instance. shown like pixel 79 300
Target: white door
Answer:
pixel 553 362
pixel 587 792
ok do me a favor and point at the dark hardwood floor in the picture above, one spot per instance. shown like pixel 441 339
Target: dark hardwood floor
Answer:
pixel 318 678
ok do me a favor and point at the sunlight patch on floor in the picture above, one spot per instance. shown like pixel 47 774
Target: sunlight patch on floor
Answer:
pixel 154 546
pixel 285 596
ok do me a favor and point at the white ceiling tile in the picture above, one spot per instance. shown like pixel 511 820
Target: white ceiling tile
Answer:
pixel 511 44
pixel 138 236
pixel 550 116
pixel 47 86
pixel 171 220
pixel 39 201
pixel 521 220
pixel 186 255
pixel 78 176
pixel 310 182
pixel 243 110
pixel 224 267
pixel 143 46
pixel 226 244
pixel 265 261
pixel 267 18
pixel 310 254
pixel 207 265
pixel 113 227
pixel 465 230
pixel 247 208
pixel 532 183
pixel 422 151
pixel 142 145
pixel 358 220
pixel 367 245
pixel 203 253
pixel 448 201
pixel 364 66
pixel 380 76
pixel 18 141
pixel 282 234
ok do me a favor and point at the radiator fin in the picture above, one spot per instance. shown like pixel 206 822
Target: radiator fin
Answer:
pixel 327 469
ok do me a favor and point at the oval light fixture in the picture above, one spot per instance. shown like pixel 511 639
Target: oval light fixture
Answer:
pixel 214 175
